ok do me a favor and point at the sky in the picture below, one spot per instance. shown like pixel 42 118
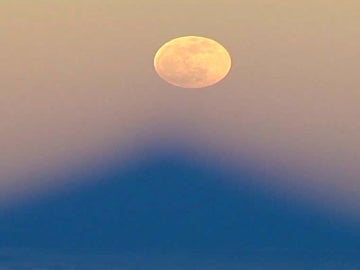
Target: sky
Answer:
pixel 80 99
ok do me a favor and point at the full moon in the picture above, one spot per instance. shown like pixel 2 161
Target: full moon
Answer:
pixel 192 62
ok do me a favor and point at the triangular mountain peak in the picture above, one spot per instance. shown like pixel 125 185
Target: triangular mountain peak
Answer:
pixel 171 202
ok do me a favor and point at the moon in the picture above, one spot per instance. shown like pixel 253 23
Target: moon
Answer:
pixel 192 62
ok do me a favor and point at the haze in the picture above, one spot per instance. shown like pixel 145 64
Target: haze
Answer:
pixel 77 80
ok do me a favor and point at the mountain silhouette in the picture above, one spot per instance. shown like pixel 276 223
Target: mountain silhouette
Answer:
pixel 171 202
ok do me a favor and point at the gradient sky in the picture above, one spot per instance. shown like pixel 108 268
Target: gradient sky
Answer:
pixel 78 90
pixel 77 79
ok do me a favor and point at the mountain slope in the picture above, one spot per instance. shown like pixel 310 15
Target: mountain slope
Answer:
pixel 172 204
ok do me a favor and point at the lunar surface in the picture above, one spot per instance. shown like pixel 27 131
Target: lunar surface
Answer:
pixel 192 62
